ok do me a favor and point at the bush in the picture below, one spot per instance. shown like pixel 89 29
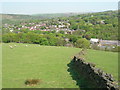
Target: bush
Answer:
pixel 95 46
pixel 60 42
pixel 82 43
pixel 116 49
pixel 44 41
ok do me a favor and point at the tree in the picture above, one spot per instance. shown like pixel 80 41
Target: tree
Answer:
pixel 73 38
pixel 52 42
pixel 87 37
pixel 60 42
pixel 44 41
pixel 82 43
pixel 62 32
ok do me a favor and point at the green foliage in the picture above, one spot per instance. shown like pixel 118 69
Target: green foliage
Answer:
pixel 10 37
pixel 62 32
pixel 44 41
pixel 102 25
pixel 73 38
pixel 43 27
pixel 60 42
pixel 116 49
pixel 82 43
pixel 53 41
pixel 25 30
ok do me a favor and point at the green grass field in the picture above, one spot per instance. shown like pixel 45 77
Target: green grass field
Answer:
pixel 107 61
pixel 49 64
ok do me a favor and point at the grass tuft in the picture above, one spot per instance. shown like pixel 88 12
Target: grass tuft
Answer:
pixel 32 82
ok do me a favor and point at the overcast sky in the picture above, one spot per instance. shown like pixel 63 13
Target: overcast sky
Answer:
pixel 56 7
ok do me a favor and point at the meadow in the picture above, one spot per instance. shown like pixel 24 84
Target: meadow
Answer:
pixel 48 64
pixel 107 61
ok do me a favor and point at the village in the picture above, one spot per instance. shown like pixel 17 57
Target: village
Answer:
pixel 41 26
pixel 56 27
pixel 105 44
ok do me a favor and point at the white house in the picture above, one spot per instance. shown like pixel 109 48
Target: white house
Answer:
pixel 11 30
pixel 94 40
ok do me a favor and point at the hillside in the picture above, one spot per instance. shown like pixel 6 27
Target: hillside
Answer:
pixel 102 25
pixel 55 15
pixel 107 61
pixel 7 18
pixel 49 64
pixel 16 18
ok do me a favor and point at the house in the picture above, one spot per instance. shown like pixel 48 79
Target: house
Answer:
pixel 66 39
pixel 109 43
pixel 61 26
pixel 104 42
pixel 92 16
pixel 102 22
pixel 11 30
pixel 94 41
pixel 68 32
pixel 65 32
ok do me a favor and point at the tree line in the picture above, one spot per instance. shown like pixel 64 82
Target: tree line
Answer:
pixel 51 39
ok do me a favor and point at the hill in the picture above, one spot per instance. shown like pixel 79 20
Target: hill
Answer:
pixel 107 61
pixel 8 18
pixel 49 64
pixel 55 15
pixel 16 18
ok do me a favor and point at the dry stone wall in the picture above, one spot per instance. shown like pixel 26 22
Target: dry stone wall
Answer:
pixel 97 77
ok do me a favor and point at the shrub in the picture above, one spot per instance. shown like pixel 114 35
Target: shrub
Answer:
pixel 44 41
pixel 82 43
pixel 116 49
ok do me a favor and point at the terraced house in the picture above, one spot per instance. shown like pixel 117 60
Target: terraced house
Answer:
pixel 109 43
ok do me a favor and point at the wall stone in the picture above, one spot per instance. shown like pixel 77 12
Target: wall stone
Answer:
pixel 94 75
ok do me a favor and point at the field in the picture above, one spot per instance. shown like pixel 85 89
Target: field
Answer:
pixel 49 64
pixel 107 61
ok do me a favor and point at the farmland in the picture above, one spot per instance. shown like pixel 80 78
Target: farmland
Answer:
pixel 107 61
pixel 48 64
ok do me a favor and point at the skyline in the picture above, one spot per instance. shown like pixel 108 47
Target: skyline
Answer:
pixel 56 7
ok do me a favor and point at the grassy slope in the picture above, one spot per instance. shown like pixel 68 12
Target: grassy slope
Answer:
pixel 48 64
pixel 38 62
pixel 107 61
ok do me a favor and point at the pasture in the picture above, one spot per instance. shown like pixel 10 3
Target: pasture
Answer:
pixel 107 61
pixel 48 64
